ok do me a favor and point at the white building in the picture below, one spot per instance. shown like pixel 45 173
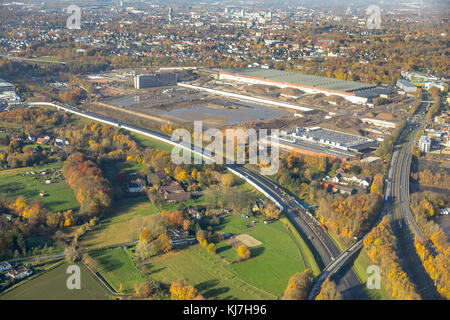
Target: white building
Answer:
pixel 425 143
pixel 406 86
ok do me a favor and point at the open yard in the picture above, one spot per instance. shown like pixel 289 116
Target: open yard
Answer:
pixel 58 195
pixel 51 285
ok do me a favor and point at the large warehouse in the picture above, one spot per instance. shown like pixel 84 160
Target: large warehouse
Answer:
pixel 356 92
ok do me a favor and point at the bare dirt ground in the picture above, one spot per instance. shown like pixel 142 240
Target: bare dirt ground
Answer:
pixel 244 238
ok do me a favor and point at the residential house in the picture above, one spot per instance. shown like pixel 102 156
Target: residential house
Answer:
pixel 136 184
pixel 195 213
pixel 175 192
pixel 19 273
pixel 341 178
pixel 181 238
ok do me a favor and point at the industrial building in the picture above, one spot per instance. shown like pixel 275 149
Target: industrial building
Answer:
pixel 356 92
pixel 144 81
pixel 406 86
pixel 425 143
pixel 321 141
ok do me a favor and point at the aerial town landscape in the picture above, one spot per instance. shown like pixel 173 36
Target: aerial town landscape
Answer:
pixel 347 104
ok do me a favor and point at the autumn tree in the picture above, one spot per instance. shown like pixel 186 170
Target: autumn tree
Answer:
pixel 90 262
pixel 299 286
pixel 329 291
pixel 271 211
pixel 180 290
pixel 211 248
pixel 72 253
pixel 144 290
pixel 243 252
pixel 377 184
pixel 166 244
pixel 228 180
pixel 381 247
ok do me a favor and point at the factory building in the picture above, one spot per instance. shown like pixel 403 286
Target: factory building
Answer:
pixel 155 80
pixel 356 92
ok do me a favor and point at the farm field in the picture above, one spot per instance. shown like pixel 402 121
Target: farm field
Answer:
pixel 116 267
pixel 15 182
pixel 51 285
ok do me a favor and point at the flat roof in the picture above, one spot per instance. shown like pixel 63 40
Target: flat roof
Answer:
pixel 322 135
pixel 300 79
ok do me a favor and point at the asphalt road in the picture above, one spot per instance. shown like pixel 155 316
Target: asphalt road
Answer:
pixel 403 223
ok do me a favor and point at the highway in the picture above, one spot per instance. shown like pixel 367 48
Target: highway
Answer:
pixel 403 223
pixel 349 284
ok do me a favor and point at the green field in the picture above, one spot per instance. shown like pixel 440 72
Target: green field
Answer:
pixel 273 262
pixel 263 276
pixel 151 143
pixel 51 285
pixel 116 267
pixel 59 197
pixel 209 274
